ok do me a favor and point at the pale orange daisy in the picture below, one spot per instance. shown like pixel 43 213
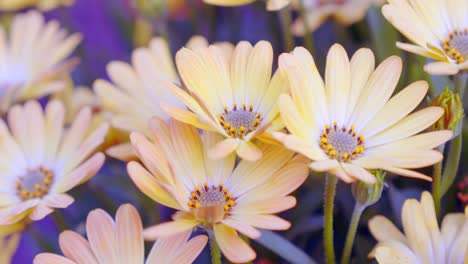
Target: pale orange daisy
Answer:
pixel 234 96
pixel 438 29
pixel 138 89
pixel 121 241
pixel 42 160
pixel 349 123
pixel 32 58
pixel 219 196
pixel 423 242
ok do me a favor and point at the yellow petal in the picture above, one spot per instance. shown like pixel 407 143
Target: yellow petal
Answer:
pixel 233 247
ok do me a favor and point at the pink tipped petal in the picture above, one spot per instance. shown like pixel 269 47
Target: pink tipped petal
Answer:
pixel 248 151
pixel 324 165
pixel 130 244
pixel 101 235
pixel 40 212
pixel 122 152
pixel 190 250
pixel 48 258
pixel 245 229
pixel 61 200
pixel 233 247
pixel 223 148
pixel 168 229
pixel 76 248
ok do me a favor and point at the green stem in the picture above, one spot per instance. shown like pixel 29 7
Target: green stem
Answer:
pixel 357 212
pixel 330 189
pixel 451 165
pixel 286 20
pixel 436 180
pixel 214 248
pixel 60 220
pixel 43 243
pixel 308 37
pixel 459 82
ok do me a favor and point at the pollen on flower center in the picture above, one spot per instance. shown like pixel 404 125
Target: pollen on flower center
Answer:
pixel 211 203
pixel 456 45
pixel 34 183
pixel 239 121
pixel 341 144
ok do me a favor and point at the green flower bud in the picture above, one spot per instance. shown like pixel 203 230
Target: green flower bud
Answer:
pixel 368 194
pixel 453 108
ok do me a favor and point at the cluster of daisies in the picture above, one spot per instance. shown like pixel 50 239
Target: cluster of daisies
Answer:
pixel 220 137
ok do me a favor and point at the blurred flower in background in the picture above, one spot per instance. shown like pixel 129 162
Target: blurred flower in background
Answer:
pixel 271 5
pixel 40 167
pixel 422 241
pixel 8 244
pixel 43 5
pixel 438 29
pixel 338 126
pixel 216 195
pixel 121 241
pixel 32 58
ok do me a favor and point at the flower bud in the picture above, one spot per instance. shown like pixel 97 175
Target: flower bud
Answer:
pixel 451 119
pixel 367 194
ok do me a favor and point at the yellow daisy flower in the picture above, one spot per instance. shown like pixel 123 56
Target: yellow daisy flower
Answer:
pixel 438 29
pixel 349 123
pixel 345 12
pixel 32 58
pixel 271 5
pixel 43 5
pixel 219 196
pixel 423 241
pixel 41 160
pixel 121 241
pixel 138 89
pixel 234 96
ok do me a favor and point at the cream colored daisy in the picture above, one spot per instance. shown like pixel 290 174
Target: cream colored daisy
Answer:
pixel 271 5
pixel 219 196
pixel 349 123
pixel 121 241
pixel 43 5
pixel 345 12
pixel 234 96
pixel 438 29
pixel 32 58
pixel 42 161
pixel 423 241
pixel 138 89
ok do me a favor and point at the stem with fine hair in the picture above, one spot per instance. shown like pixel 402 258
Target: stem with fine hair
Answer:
pixel 436 180
pixel 330 189
pixel 357 212
pixel 214 248
pixel 286 19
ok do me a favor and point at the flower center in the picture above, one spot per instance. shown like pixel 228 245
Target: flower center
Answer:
pixel 456 45
pixel 341 144
pixel 238 122
pixel 34 183
pixel 211 203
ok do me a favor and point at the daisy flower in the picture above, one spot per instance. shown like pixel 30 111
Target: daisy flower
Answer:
pixel 234 96
pixel 271 5
pixel 43 5
pixel 349 123
pixel 345 12
pixel 121 241
pixel 438 29
pixel 41 160
pixel 423 241
pixel 136 90
pixel 219 196
pixel 32 58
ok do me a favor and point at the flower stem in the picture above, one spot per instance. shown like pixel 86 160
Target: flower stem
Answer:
pixel 436 180
pixel 286 20
pixel 60 220
pixel 330 189
pixel 42 241
pixel 214 248
pixel 357 212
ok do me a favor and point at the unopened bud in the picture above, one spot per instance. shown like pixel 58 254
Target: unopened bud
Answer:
pixel 367 194
pixel 451 119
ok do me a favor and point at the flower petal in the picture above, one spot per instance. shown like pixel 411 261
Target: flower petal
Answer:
pixel 233 247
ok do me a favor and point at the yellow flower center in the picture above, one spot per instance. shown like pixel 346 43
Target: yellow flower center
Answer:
pixel 211 203
pixel 34 184
pixel 456 45
pixel 238 122
pixel 341 144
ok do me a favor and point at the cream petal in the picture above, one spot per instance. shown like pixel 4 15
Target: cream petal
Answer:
pixel 245 229
pixel 217 170
pixel 169 228
pixel 324 165
pixel 100 228
pixel 395 252
pixel 223 148
pixel 294 121
pixel 129 238
pixel 384 230
pixel 248 151
pixel 49 258
pixel 340 173
pixel 441 68
pixel 278 85
pixel 240 59
pixel 231 244
pixel 273 5
pixel 76 248
pixel 61 200
pixel 270 222
pixel 407 173
pixel 451 226
pixel 17 212
pixel 359 173
pixel 54 121
pixel 407 158
pixel 190 250
pixel 185 116
pixel 35 123
pixel 312 150
pixel 427 140
pixel 40 211
pixel 122 152
pixel 270 206
pixel 421 51
pixel 258 72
